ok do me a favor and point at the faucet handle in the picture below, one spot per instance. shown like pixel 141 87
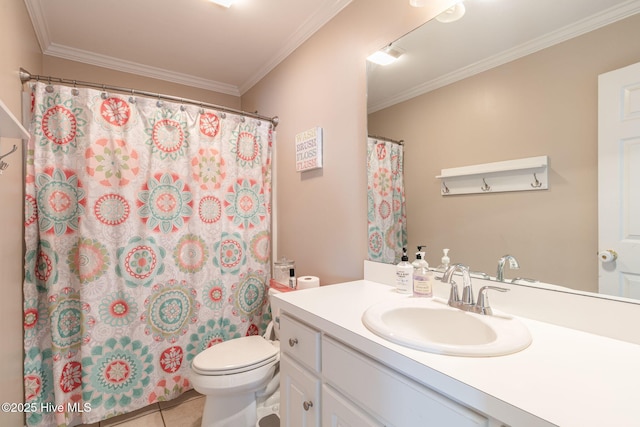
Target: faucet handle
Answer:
pixel 454 296
pixel 482 306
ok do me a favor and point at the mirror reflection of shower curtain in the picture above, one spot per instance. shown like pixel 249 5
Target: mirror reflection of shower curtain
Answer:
pixel 386 213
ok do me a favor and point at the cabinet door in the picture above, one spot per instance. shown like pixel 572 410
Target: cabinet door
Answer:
pixel 338 411
pixel 299 395
pixel 388 395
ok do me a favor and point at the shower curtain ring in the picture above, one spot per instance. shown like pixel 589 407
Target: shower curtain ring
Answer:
pixel 75 91
pixel 104 95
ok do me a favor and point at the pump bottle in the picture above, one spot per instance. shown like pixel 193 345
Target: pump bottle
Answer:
pixel 422 277
pixel 404 274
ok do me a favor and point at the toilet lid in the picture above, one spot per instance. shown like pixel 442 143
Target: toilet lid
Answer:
pixel 237 355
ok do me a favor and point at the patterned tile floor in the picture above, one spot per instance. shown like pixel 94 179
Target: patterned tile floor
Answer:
pixel 185 411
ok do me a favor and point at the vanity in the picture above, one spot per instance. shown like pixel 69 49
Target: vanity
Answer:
pixel 335 371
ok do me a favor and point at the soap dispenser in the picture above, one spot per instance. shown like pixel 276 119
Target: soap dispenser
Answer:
pixel 420 259
pixel 422 277
pixel 404 274
pixel 444 261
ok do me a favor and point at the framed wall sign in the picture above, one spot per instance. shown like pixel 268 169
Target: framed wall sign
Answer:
pixel 309 150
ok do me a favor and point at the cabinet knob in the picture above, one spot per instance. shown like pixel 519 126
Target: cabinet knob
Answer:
pixel 307 405
pixel 292 342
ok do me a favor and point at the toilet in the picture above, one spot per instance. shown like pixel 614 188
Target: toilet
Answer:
pixel 235 375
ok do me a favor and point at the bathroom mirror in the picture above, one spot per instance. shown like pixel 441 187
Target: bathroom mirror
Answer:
pixel 509 80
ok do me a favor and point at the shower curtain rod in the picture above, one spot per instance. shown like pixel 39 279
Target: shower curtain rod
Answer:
pixel 384 138
pixel 26 76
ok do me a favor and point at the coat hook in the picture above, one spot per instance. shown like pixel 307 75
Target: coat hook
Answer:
pixel 485 187
pixel 445 189
pixel 536 183
pixel 12 150
pixel 4 165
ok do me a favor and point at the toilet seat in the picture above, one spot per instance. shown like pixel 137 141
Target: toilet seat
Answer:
pixel 236 356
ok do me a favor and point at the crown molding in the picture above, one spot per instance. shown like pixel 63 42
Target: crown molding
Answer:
pixel 91 58
pixel 39 23
pixel 304 31
pixel 579 28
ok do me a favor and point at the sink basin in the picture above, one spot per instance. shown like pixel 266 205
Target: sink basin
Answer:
pixel 431 325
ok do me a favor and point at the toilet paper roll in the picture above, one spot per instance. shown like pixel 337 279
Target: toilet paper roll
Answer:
pixel 305 282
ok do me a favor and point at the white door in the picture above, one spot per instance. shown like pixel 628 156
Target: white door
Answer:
pixel 619 182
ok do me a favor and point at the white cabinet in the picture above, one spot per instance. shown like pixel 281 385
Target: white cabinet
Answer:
pixel 389 396
pixel 339 411
pixel 299 395
pixel 327 383
pixel 299 379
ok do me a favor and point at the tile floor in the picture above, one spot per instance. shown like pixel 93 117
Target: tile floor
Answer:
pixel 184 411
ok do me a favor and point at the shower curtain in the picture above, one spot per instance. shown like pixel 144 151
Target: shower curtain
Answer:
pixel 387 222
pixel 147 232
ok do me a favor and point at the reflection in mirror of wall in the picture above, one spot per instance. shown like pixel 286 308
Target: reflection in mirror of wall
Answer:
pixel 538 98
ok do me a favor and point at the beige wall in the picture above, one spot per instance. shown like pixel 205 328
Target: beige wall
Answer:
pixel 18 48
pixel 544 104
pixel 322 221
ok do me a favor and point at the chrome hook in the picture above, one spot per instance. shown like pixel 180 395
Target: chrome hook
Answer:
pixel 445 189
pixel 486 186
pixel 4 165
pixel 536 183
pixel 15 147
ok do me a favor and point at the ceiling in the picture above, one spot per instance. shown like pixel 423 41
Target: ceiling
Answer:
pixel 491 33
pixel 192 42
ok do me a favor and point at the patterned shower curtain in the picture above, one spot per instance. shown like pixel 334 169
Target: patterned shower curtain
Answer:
pixel 147 229
pixel 387 221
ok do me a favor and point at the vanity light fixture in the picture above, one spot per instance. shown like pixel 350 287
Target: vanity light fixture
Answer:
pixel 385 56
pixel 452 14
pixel 225 3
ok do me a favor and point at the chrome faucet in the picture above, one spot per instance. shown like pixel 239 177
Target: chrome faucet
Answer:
pixel 467 291
pixel 467 303
pixel 513 263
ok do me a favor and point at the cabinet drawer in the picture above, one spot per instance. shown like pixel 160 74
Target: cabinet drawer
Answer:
pixel 392 397
pixel 338 411
pixel 300 342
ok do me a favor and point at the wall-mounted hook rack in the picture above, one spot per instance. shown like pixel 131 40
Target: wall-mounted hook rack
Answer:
pixel 509 175
pixel 10 127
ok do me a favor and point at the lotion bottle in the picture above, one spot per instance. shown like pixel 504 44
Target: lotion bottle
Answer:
pixel 422 278
pixel 404 274
pixel 419 258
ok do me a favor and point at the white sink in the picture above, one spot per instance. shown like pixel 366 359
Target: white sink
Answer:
pixel 431 325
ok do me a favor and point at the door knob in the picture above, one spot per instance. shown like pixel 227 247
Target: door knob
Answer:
pixel 608 256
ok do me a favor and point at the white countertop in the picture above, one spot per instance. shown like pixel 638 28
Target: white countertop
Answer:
pixel 565 377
